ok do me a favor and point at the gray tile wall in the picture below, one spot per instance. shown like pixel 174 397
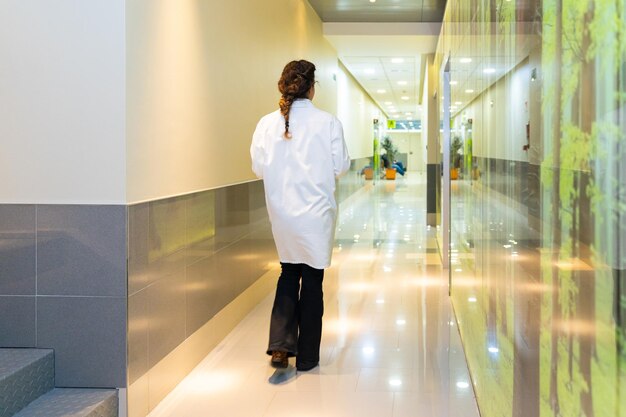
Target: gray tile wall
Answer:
pixel 188 258
pixel 63 286
pixel 100 283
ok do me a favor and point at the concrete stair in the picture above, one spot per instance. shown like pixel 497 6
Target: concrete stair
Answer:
pixel 27 389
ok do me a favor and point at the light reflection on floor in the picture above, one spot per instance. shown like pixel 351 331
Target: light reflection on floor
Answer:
pixel 390 345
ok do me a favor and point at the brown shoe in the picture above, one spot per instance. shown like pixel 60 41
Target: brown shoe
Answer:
pixel 279 359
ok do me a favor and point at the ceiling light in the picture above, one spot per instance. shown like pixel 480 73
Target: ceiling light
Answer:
pixel 372 1
pixel 489 70
pixel 465 60
pixel 462 385
pixel 397 60
pixel 453 83
pixel 408 113
pixel 405 97
pixel 381 91
pixel 369 70
pixel 469 91
pixel 402 83
pixel 458 103
pixel 388 103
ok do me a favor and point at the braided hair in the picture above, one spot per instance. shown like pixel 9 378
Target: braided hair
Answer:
pixel 295 82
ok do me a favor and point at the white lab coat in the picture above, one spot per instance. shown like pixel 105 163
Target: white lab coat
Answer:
pixel 299 179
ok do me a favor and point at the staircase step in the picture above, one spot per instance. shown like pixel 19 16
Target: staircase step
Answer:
pixel 25 375
pixel 73 402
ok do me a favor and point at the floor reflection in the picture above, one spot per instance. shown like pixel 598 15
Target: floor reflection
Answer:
pixel 390 345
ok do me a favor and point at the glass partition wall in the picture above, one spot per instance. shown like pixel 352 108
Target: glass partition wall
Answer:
pixel 538 212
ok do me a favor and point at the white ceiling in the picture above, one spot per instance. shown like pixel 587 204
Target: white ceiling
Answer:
pixel 366 42
pixel 367 49
pixel 393 84
pixel 386 60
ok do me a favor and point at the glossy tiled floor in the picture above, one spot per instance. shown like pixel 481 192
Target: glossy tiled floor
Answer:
pixel 390 345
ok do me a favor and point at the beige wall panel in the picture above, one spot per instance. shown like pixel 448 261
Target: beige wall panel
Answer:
pixel 62 103
pixel 357 111
pixel 200 76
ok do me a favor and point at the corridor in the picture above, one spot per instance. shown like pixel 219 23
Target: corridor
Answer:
pixel 390 345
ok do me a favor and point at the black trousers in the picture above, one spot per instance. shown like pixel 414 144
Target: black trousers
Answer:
pixel 296 324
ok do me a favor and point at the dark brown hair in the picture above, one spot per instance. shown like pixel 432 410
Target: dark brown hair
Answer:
pixel 295 82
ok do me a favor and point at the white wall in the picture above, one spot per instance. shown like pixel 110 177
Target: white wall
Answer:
pixel 200 76
pixel 62 103
pixel 411 143
pixel 357 112
pixel 113 101
pixel 500 115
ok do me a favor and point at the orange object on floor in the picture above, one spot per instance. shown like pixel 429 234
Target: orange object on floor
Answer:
pixel 390 173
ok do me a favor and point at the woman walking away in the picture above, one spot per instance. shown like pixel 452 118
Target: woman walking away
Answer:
pixel 299 151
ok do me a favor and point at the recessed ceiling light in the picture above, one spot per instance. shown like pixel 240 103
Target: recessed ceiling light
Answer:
pixel 469 91
pixel 388 103
pixel 489 70
pixel 381 91
pixel 465 60
pixel 372 1
pixel 458 103
pixel 402 83
pixel 397 60
pixel 369 70
pixel 453 83
pixel 405 97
